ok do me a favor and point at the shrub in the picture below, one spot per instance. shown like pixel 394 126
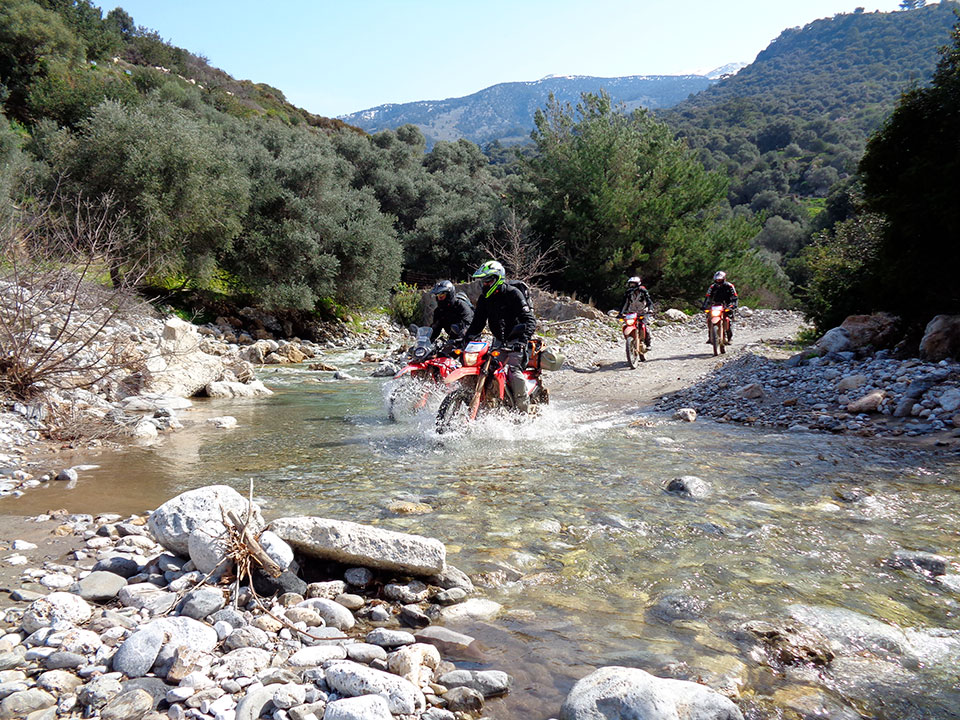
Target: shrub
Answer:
pixel 406 305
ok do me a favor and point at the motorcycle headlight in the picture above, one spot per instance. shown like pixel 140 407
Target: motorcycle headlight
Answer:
pixel 419 352
pixel 470 358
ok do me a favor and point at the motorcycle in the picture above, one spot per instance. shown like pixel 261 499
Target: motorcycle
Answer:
pixel 718 327
pixel 481 384
pixel 634 333
pixel 424 373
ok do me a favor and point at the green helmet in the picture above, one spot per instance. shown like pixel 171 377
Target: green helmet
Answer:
pixel 491 275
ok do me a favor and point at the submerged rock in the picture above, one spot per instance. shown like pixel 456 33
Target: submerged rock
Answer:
pixel 622 692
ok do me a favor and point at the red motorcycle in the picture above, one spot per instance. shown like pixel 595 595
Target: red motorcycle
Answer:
pixel 482 384
pixel 424 374
pixel 718 327
pixel 635 333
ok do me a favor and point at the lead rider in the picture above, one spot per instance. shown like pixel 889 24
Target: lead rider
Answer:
pixel 511 321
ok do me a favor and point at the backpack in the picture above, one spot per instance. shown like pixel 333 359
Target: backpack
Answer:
pixel 523 288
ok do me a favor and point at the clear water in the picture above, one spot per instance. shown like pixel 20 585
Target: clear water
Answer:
pixel 567 519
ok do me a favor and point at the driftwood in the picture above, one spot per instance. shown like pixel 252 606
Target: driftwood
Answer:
pixel 253 547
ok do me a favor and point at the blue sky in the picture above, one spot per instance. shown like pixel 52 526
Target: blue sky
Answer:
pixel 333 58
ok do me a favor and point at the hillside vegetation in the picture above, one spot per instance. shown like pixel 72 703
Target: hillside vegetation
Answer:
pixel 219 192
pixel 790 128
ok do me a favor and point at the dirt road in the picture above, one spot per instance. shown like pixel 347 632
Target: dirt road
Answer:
pixel 680 356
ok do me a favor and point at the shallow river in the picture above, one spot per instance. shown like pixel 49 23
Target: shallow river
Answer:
pixel 594 563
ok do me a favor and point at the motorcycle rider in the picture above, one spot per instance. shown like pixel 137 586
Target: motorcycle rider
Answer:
pixel 454 312
pixel 637 299
pixel 723 293
pixel 511 321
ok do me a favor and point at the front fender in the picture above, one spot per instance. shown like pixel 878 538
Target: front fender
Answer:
pixel 461 372
pixel 407 370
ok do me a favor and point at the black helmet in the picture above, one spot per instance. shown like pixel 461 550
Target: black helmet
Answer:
pixel 443 291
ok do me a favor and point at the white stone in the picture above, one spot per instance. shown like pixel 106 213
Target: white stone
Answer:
pixel 56 607
pixel 472 609
pixel 352 679
pixel 224 422
pixel 228 389
pixel 354 544
pixel 207 547
pixel 638 694
pixel 277 548
pixel 172 523
pixel 365 707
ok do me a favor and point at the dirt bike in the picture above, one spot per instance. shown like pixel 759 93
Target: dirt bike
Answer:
pixel 423 374
pixel 718 327
pixel 634 333
pixel 481 384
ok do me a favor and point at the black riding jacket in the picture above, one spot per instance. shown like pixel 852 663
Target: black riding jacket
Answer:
pixel 636 300
pixel 721 294
pixel 510 317
pixel 457 311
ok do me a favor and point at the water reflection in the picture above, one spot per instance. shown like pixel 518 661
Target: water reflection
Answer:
pixel 566 520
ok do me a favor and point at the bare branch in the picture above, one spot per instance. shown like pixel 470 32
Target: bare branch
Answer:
pixel 522 255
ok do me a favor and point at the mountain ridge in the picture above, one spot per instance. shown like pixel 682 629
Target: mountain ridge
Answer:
pixel 504 112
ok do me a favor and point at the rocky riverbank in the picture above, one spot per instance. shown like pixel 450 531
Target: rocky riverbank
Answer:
pixel 145 619
pixel 856 390
pixel 201 610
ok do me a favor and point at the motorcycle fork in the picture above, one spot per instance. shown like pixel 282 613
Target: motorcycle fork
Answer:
pixel 478 391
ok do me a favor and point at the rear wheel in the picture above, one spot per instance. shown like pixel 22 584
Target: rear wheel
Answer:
pixel 454 411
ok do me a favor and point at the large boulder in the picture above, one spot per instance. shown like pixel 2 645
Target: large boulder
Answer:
pixel 172 522
pixel 180 367
pixel 941 339
pixel 620 692
pixel 353 544
pixel 230 389
pixel 835 340
pixel 880 330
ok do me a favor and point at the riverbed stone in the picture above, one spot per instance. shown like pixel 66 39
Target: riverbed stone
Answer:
pixel 451 577
pixel 449 642
pixel 685 414
pixel 277 548
pixel 98 691
pixel 254 701
pixel 247 636
pixel 317 655
pixel 54 608
pixel 100 586
pixel 242 662
pixel 941 338
pixel 365 653
pixel 791 643
pixel 173 522
pixel 920 562
pixel 130 705
pixel 59 682
pixel 147 595
pixel 385 637
pixel 333 613
pixel 868 403
pixel 352 679
pixel 364 707
pixel 20 704
pixel 631 692
pixel 138 653
pixel 489 683
pixel 471 609
pixel 355 544
pixel 123 566
pixel 852 630
pixel 201 602
pixel 207 548
pixel 688 486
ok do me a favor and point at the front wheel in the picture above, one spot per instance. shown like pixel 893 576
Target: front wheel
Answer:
pixel 454 410
pixel 713 329
pixel 632 351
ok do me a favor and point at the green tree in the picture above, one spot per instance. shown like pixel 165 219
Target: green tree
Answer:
pixel 308 235
pixel 911 176
pixel 30 36
pixel 622 196
pixel 178 183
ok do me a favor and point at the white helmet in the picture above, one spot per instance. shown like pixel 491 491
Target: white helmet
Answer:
pixel 634 282
pixel 719 276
